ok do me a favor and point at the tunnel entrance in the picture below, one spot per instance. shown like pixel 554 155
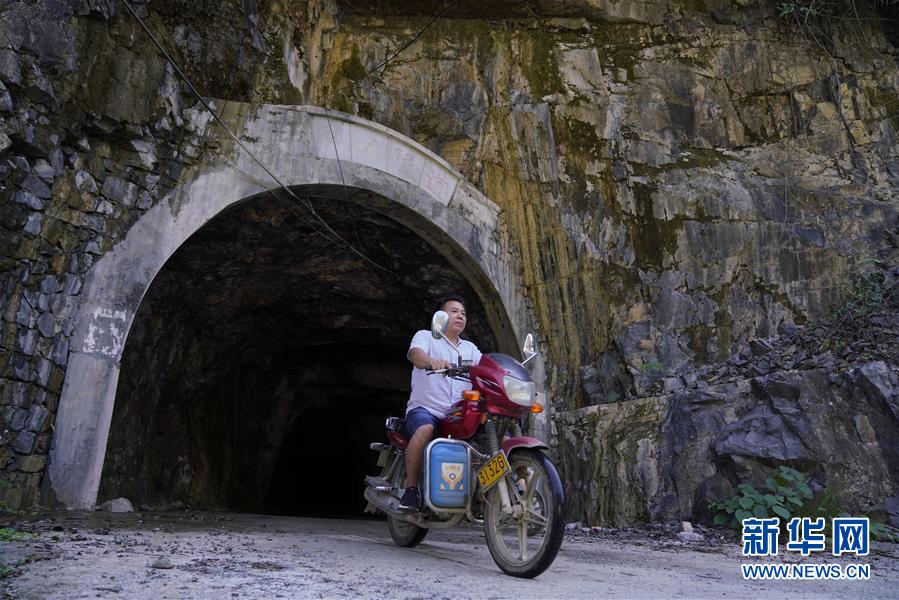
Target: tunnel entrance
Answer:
pixel 264 358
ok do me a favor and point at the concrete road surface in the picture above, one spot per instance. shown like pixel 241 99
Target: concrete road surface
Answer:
pixel 228 555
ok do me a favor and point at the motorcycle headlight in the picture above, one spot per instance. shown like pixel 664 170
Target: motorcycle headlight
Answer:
pixel 520 392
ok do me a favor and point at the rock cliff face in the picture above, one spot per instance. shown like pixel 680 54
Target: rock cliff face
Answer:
pixel 678 178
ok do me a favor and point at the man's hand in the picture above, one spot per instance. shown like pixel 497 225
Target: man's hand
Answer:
pixel 420 359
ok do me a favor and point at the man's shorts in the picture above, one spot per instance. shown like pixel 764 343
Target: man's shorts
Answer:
pixel 417 417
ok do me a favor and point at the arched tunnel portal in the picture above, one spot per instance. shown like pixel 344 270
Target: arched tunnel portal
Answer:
pixel 265 356
pixel 261 357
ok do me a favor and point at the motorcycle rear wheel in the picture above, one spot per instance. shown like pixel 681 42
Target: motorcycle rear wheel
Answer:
pixel 404 533
pixel 525 546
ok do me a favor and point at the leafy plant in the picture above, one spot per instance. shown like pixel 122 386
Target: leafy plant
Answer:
pixel 7 571
pixel 883 532
pixel 790 496
pixel 788 491
pixel 868 292
pixel 14 535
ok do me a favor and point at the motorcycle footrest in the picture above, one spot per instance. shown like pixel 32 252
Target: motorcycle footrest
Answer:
pixel 378 446
pixel 379 484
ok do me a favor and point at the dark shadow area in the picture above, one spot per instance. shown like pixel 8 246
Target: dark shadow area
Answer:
pixel 320 470
pixel 265 357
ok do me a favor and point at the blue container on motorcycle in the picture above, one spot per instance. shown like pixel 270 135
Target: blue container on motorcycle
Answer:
pixel 447 475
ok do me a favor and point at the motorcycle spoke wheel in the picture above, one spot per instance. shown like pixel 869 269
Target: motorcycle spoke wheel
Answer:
pixel 521 538
pixel 524 543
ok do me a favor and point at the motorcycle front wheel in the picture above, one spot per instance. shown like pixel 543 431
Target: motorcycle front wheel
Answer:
pixel 526 542
pixel 404 533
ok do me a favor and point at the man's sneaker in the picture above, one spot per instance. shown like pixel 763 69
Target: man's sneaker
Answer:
pixel 411 500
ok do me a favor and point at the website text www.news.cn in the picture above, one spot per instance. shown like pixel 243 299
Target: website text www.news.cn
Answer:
pixel 850 536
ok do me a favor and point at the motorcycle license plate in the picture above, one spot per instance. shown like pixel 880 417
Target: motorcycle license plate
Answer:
pixel 495 468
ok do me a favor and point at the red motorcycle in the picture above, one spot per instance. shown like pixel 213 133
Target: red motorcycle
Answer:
pixel 480 467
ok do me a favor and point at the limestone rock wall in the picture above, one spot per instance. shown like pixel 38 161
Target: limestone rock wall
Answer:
pixel 665 457
pixel 677 184
pixel 678 178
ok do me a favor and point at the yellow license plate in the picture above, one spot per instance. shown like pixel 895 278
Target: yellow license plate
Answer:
pixel 493 470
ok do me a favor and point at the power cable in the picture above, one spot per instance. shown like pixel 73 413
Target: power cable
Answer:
pixel 410 41
pixel 352 83
pixel 335 237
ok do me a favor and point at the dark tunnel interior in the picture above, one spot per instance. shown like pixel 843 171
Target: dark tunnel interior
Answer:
pixel 265 356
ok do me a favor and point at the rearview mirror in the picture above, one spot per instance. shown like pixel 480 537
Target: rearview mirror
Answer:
pixel 439 323
pixel 528 348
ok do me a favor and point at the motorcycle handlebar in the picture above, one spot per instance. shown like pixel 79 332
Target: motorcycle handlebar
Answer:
pixel 450 372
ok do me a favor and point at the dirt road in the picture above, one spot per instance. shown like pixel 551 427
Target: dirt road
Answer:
pixel 222 555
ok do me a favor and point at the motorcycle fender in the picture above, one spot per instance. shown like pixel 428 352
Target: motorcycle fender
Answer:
pixel 510 444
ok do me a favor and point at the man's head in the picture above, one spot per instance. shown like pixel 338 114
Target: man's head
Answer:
pixel 454 306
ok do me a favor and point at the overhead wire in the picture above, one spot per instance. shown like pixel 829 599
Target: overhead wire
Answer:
pixel 329 233
pixel 411 40
pixel 352 83
pixel 319 225
pixel 293 201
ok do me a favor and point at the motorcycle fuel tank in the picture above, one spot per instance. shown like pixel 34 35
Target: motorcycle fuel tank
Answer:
pixel 447 475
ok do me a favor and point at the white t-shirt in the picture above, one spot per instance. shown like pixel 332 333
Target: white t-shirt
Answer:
pixel 437 393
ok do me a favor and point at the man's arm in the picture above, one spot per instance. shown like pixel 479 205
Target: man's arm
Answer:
pixel 421 360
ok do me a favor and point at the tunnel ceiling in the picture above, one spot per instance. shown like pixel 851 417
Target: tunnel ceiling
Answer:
pixel 263 268
pixel 261 333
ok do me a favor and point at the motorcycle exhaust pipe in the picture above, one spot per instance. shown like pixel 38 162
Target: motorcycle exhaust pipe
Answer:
pixel 388 504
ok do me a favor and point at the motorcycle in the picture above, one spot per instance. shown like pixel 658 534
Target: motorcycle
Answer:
pixel 480 467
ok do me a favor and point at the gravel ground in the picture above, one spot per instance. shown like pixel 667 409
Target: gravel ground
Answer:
pixel 228 555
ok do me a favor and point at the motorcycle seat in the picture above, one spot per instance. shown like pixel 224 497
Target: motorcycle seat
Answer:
pixel 395 432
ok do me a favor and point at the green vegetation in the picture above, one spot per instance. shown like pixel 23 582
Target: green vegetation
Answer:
pixel 868 292
pixel 867 299
pixel 652 367
pixel 14 535
pixel 788 493
pixel 883 532
pixel 7 571
pixel 654 239
pixel 540 64
pixel 804 9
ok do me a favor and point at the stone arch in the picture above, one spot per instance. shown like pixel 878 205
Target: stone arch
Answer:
pixel 301 146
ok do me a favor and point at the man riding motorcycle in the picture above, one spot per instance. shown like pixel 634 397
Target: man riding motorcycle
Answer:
pixel 432 396
pixel 480 466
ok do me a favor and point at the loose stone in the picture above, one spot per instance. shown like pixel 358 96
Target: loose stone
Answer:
pixel 162 563
pixel 122 505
